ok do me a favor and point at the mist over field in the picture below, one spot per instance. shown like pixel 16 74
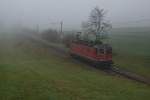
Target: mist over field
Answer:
pixel 49 13
pixel 74 49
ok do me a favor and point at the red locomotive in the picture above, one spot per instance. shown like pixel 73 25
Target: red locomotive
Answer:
pixel 98 53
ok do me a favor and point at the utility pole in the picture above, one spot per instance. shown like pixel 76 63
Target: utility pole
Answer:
pixel 37 28
pixel 61 27
pixel 61 31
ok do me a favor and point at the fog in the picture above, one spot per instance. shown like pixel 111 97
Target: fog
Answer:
pixel 49 13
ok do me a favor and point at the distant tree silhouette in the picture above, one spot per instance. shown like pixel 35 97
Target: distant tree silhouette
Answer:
pixel 51 35
pixel 96 24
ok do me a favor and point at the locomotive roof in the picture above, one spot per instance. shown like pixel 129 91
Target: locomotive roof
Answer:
pixel 92 44
pixel 102 46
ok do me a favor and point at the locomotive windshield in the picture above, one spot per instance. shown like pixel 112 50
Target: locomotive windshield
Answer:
pixel 104 49
pixel 108 50
pixel 100 51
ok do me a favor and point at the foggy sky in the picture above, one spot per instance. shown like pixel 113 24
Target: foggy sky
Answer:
pixel 48 13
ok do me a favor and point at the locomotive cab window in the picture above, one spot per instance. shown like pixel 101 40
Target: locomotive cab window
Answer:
pixel 100 51
pixel 109 51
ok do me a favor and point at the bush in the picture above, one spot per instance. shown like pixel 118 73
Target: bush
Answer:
pixel 51 35
pixel 68 38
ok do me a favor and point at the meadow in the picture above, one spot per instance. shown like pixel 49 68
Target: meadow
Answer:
pixel 31 71
pixel 131 49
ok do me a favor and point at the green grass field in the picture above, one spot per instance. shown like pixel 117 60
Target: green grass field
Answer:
pixel 131 48
pixel 30 71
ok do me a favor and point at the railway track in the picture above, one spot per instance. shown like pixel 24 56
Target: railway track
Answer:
pixel 113 70
pixel 130 75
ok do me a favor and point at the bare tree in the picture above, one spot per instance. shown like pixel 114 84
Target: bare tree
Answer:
pixel 96 24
